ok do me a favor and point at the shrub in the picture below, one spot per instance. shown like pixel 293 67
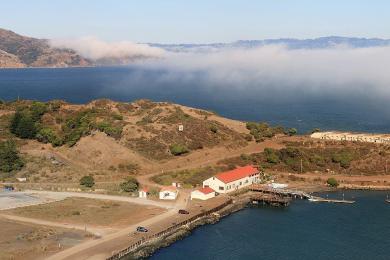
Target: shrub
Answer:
pixel 213 129
pixel 9 157
pixel 332 182
pixel 344 158
pixel 76 213
pixel 178 149
pixel 37 110
pixel 292 131
pixel 87 181
pixel 117 116
pixel 315 130
pixel 153 192
pixel 109 130
pixel 130 185
pixel 47 135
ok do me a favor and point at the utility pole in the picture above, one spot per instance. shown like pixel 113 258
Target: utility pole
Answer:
pixel 386 166
pixel 301 165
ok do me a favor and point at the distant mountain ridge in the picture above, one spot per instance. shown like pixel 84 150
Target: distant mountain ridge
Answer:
pixel 17 51
pixel 291 43
pixel 21 51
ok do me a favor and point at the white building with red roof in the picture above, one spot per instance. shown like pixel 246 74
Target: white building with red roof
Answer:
pixel 203 193
pixel 168 193
pixel 143 193
pixel 233 180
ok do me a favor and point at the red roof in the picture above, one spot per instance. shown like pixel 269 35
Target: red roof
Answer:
pixel 236 174
pixel 169 188
pixel 206 190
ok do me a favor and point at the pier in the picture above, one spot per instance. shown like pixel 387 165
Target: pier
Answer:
pixel 319 199
pixel 280 192
pixel 286 193
pixel 268 199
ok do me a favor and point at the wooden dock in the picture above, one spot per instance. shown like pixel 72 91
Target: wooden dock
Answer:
pixel 280 192
pixel 271 200
pixel 294 194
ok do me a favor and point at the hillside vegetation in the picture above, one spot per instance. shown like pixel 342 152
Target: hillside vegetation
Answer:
pixel 103 137
pixel 318 156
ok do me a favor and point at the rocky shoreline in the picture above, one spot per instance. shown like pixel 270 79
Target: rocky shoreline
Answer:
pixel 147 250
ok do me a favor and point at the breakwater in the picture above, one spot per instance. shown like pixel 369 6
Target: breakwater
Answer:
pixel 147 245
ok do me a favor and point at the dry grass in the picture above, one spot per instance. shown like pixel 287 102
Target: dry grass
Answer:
pixel 28 241
pixel 89 211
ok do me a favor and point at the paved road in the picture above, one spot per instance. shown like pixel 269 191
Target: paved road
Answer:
pixel 86 248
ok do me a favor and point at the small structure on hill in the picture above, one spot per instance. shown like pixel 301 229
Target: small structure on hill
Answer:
pixel 168 193
pixel 143 193
pixel 233 180
pixel 21 179
pixel 203 193
pixel 181 128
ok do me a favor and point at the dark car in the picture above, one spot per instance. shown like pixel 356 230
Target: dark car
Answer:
pixel 142 229
pixel 183 211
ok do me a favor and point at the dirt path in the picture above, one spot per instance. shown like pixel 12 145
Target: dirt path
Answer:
pixel 161 204
pixel 215 155
pixel 97 231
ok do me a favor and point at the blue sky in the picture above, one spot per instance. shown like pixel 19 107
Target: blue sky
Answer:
pixel 196 21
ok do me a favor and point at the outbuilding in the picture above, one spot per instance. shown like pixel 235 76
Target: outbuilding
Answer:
pixel 203 193
pixel 168 193
pixel 143 193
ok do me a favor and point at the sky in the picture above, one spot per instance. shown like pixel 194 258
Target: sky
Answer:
pixel 195 21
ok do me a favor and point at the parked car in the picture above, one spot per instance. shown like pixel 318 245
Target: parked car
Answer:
pixel 142 229
pixel 183 211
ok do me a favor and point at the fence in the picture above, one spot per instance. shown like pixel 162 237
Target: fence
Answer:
pixel 142 241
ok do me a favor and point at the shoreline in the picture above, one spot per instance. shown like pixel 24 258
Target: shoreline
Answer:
pixel 240 202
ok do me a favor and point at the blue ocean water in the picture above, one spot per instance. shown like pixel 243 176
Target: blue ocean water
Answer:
pixel 304 230
pixel 301 231
pixel 291 108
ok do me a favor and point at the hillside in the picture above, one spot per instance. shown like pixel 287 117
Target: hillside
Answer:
pixel 21 51
pixel 59 141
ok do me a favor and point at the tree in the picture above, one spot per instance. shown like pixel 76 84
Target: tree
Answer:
pixel 23 125
pixel 332 182
pixel 9 157
pixel 130 185
pixel 87 181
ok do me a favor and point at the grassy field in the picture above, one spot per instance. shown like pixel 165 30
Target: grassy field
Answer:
pixel 89 211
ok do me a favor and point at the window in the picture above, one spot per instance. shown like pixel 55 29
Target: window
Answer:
pixel 221 188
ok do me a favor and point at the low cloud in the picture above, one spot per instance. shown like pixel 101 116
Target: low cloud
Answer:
pixel 276 69
pixel 93 48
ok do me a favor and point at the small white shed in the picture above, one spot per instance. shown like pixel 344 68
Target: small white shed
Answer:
pixel 143 193
pixel 203 193
pixel 168 193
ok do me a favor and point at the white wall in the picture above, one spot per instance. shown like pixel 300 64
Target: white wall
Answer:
pixel 167 195
pixel 216 184
pixel 201 196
